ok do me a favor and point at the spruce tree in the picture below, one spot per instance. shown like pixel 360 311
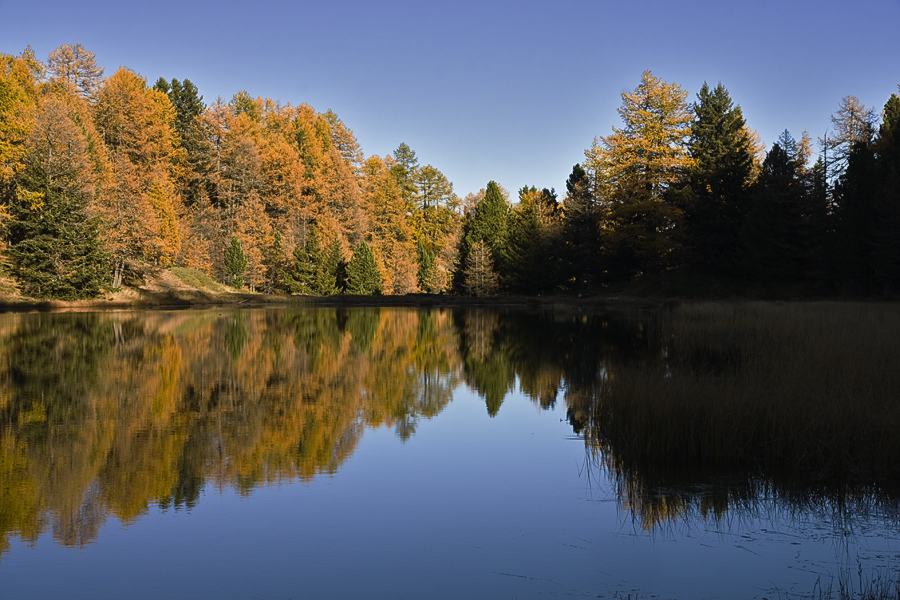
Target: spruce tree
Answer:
pixel 581 231
pixel 235 263
pixel 53 240
pixel 715 198
pixel 363 277
pixel 303 277
pixel 55 248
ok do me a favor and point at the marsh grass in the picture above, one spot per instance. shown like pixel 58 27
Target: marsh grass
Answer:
pixel 807 390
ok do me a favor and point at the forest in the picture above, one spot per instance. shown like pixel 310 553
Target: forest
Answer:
pixel 99 174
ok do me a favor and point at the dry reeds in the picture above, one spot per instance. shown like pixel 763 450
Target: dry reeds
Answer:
pixel 808 389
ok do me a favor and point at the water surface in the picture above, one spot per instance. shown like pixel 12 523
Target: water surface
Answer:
pixel 378 453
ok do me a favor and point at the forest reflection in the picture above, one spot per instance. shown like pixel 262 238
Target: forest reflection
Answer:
pixel 109 413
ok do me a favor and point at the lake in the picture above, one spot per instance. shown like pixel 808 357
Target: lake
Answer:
pixel 446 453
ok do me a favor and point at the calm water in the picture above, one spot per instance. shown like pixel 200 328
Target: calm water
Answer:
pixel 372 453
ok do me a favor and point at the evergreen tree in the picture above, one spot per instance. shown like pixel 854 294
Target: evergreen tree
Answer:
pixel 53 240
pixel 488 222
pixel 528 266
pixel 715 198
pixel 886 235
pixel 491 221
pixel 235 263
pixel 775 234
pixel 334 269
pixel 426 275
pixel 304 275
pixel 363 277
pixel 480 277
pixel 276 266
pixel 581 231
pixel 406 171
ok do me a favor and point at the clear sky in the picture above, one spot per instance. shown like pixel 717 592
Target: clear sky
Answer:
pixel 510 91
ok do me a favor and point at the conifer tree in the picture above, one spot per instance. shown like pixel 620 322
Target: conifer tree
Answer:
pixel 75 69
pixel 480 277
pixel 775 234
pixel 641 162
pixel 235 263
pixel 715 197
pixel 304 276
pixel 886 238
pixel 334 269
pixel 363 277
pixel 581 231
pixel 54 240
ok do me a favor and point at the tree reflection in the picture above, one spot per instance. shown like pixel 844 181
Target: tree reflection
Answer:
pixel 109 413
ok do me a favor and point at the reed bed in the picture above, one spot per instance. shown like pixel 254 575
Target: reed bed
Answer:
pixel 807 389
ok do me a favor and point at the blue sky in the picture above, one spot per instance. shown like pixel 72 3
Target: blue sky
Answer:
pixel 510 91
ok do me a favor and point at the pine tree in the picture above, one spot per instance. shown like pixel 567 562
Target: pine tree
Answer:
pixel 427 275
pixel 235 263
pixel 363 277
pixel 886 235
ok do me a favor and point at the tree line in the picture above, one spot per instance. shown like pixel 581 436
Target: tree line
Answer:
pixel 98 174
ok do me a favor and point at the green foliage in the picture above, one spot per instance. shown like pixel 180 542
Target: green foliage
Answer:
pixel 243 104
pixel 303 276
pixel 715 197
pixel 427 271
pixel 480 277
pixel 363 277
pixel 405 172
pixel 235 263
pixel 55 249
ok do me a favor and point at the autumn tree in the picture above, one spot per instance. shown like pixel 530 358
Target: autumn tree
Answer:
pixel 76 69
pixel 392 237
pixel 853 124
pixel 18 100
pixel 138 129
pixel 640 163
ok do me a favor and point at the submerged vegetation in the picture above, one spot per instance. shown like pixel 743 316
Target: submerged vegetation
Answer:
pixel 97 173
